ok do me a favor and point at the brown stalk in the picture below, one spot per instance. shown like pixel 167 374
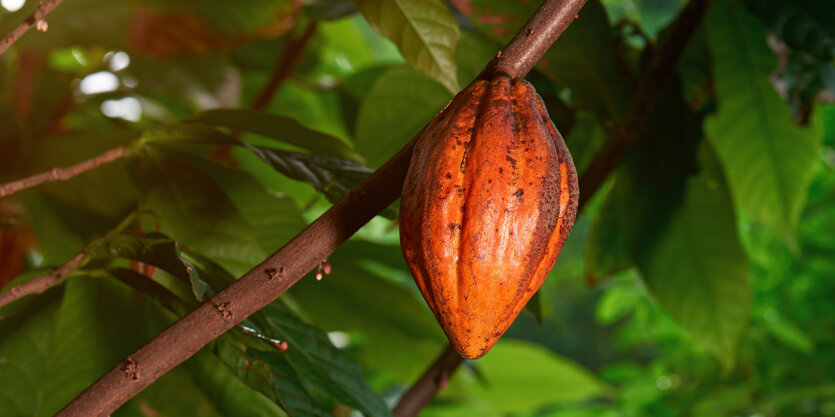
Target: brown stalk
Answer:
pixel 62 174
pixel 277 273
pixel 36 19
pixel 290 57
pixel 39 284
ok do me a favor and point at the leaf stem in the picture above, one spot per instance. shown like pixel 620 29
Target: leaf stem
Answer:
pixel 40 284
pixel 62 174
pixel 36 19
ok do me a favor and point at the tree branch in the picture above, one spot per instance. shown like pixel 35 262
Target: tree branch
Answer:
pixel 647 92
pixel 39 284
pixel 424 389
pixel 290 57
pixel 277 273
pixel 36 19
pixel 62 174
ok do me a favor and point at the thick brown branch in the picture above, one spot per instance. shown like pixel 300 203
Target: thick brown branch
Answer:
pixel 276 274
pixel 39 284
pixel 425 388
pixel 293 53
pixel 36 19
pixel 62 174
pixel 647 93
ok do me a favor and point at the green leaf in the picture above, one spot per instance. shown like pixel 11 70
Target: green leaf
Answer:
pixel 329 175
pixel 784 330
pixel 153 249
pixel 318 362
pixel 768 160
pixel 808 25
pixel 669 213
pixel 522 376
pixel 188 133
pixel 27 327
pixel 226 392
pixel 697 269
pixel 619 300
pixel 195 211
pixel 271 375
pixel 99 322
pixel 649 185
pixel 276 127
pixel 56 344
pixel 276 219
pixel 425 32
pixel 399 104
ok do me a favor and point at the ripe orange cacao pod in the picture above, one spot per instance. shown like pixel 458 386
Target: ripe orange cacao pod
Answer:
pixel 489 199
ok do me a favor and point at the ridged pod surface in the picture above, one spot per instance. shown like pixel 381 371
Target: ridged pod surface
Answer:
pixel 489 199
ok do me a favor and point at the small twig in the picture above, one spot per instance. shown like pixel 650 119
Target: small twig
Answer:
pixel 261 285
pixel 36 19
pixel 40 284
pixel 62 174
pixel 293 53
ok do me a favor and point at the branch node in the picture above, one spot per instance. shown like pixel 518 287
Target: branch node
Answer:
pixel 41 25
pixel 273 273
pixel 130 368
pixel 225 310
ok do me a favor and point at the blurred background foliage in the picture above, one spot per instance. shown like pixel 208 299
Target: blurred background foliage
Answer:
pixel 697 282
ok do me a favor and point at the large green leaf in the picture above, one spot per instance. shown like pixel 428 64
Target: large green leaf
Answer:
pixel 27 327
pixel 669 213
pixel 425 32
pixel 696 267
pixel 649 186
pixel 271 375
pixel 195 211
pixel 521 376
pixel 277 127
pixel 318 362
pixel 768 160
pixel 399 104
pixel 55 345
pixel 276 219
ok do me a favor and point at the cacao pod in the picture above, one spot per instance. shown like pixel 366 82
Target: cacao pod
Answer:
pixel 489 199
